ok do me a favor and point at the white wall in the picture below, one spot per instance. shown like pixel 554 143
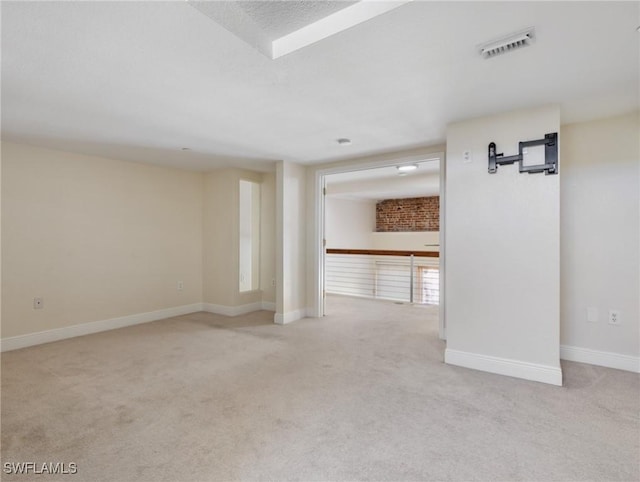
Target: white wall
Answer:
pixel 502 294
pixel 390 188
pixel 406 241
pixel 95 238
pixel 349 223
pixel 291 245
pixel 600 233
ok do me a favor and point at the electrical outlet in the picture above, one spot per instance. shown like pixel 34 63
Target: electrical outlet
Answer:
pixel 614 317
pixel 273 281
pixel 180 285
pixel 466 157
pixel 38 304
pixel 592 315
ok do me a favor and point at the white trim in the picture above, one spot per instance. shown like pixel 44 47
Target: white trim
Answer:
pixel 31 339
pixel 227 310
pixel 232 310
pixel 48 336
pixel 318 244
pixel 290 316
pixel 600 358
pixel 331 24
pixel 442 256
pixel 505 366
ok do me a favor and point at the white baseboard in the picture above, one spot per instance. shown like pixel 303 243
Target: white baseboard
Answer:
pixel 600 358
pixel 505 366
pixel 290 316
pixel 31 339
pixel 23 341
pixel 240 309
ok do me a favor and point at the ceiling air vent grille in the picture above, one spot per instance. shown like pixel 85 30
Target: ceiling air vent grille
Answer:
pixel 508 43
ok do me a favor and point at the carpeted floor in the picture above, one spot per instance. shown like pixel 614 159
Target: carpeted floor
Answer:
pixel 203 397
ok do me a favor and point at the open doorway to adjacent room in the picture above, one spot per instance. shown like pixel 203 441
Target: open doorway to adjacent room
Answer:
pixel 382 234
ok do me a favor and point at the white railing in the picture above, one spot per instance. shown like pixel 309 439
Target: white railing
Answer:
pixel 391 275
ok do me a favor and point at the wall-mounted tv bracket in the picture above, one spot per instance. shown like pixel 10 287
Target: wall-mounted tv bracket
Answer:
pixel 550 166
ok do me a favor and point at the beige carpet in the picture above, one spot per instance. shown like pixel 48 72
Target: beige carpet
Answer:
pixel 360 395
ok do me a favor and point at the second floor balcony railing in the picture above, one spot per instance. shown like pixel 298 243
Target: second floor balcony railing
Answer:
pixel 407 276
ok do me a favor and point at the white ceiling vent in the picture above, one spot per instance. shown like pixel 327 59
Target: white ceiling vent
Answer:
pixel 508 43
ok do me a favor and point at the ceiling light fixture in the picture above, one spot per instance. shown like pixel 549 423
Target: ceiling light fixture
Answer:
pixel 343 141
pixel 407 167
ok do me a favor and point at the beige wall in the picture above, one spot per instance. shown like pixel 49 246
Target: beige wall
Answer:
pixel 220 259
pixel 220 227
pixel 95 238
pixel 600 238
pixel 99 238
pixel 268 238
pixel 0 239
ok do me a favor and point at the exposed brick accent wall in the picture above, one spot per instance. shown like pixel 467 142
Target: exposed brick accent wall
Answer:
pixel 411 214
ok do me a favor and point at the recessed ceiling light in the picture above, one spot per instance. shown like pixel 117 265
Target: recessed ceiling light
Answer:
pixel 407 167
pixel 343 141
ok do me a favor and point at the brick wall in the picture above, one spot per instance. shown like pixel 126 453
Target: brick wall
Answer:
pixel 412 214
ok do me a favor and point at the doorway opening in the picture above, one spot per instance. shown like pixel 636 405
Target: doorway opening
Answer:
pixel 380 234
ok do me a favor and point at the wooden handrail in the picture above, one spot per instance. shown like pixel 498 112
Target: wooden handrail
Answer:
pixel 386 252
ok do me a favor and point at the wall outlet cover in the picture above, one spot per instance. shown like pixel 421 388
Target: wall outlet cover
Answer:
pixel 614 317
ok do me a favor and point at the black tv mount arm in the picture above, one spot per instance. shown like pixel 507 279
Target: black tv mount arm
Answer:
pixel 550 166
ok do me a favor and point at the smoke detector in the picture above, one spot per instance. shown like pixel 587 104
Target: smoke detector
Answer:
pixel 508 43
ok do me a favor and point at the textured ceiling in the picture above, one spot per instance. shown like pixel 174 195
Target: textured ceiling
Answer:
pixel 277 28
pixel 140 80
pixel 278 18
